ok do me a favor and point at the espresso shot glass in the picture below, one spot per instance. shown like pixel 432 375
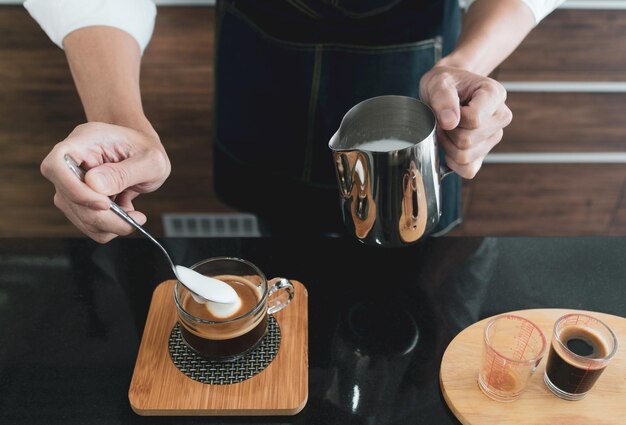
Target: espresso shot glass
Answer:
pixel 218 336
pixel 513 347
pixel 581 348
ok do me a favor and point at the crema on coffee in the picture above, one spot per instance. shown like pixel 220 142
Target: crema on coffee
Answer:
pixel 226 336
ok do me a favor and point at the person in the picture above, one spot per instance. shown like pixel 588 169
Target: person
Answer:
pixel 286 71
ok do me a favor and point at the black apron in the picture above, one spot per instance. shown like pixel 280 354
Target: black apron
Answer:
pixel 286 72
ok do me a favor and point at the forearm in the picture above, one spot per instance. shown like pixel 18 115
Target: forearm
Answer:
pixel 492 29
pixel 105 64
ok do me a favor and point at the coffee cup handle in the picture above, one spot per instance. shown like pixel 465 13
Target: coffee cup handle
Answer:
pixel 280 294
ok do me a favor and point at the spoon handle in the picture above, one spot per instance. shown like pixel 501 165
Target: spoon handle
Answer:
pixel 120 211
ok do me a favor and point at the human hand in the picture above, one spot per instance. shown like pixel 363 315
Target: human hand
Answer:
pixel 471 115
pixel 120 164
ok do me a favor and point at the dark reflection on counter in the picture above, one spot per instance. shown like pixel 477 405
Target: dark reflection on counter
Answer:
pixel 371 350
pixel 72 313
pixel 66 334
pixel 412 302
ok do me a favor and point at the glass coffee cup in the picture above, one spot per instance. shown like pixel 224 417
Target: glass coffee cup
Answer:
pixel 220 335
pixel 581 349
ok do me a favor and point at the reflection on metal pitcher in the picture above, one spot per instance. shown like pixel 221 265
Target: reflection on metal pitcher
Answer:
pixel 412 223
pixel 388 170
pixel 354 184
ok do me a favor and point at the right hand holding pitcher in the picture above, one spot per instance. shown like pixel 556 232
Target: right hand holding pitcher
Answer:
pixel 471 115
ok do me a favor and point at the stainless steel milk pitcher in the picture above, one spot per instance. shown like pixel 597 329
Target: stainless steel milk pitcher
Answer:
pixel 388 170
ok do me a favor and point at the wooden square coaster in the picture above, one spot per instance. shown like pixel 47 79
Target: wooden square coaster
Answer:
pixel 159 388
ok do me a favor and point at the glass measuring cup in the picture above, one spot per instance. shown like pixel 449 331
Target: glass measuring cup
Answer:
pixel 512 349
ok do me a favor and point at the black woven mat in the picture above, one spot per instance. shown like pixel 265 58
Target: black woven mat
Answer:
pixel 224 372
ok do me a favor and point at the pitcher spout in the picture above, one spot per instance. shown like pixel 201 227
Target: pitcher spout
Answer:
pixel 335 143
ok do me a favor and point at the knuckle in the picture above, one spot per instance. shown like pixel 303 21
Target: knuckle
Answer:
pixel 463 141
pixel 462 158
pixel 160 161
pixel 57 201
pixel 101 238
pixel 45 169
pixel 472 120
pixel 94 222
pixel 90 126
pixel 474 168
pixel 85 128
pixel 498 136
pixel 495 88
pixel 126 231
pixel 508 116
pixel 471 170
pixel 119 177
pixel 502 91
pixel 442 80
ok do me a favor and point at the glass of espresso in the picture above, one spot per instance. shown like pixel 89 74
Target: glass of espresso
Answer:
pixel 227 332
pixel 581 349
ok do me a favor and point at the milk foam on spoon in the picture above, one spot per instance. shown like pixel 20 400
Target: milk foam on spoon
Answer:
pixel 206 288
pixel 224 310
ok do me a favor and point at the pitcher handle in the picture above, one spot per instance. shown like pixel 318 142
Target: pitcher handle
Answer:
pixel 444 170
pixel 275 301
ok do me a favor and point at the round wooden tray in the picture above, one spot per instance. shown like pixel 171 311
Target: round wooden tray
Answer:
pixel 605 404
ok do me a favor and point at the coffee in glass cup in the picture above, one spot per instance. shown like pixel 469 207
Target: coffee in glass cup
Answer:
pixel 227 332
pixel 582 347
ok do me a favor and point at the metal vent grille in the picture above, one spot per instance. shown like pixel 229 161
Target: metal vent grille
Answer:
pixel 210 225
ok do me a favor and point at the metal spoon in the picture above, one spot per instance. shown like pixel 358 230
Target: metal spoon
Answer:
pixel 204 288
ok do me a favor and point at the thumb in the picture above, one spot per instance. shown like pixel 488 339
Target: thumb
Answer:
pixel 115 177
pixel 445 103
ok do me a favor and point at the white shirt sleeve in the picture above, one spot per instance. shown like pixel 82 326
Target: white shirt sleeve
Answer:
pixel 539 8
pixel 542 8
pixel 58 18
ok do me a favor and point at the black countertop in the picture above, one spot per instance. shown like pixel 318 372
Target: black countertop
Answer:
pixel 72 313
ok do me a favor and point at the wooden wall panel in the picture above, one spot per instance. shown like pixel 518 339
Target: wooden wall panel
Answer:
pixel 38 108
pixel 618 226
pixel 571 45
pixel 562 122
pixel 177 88
pixel 545 199
pixel 565 199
